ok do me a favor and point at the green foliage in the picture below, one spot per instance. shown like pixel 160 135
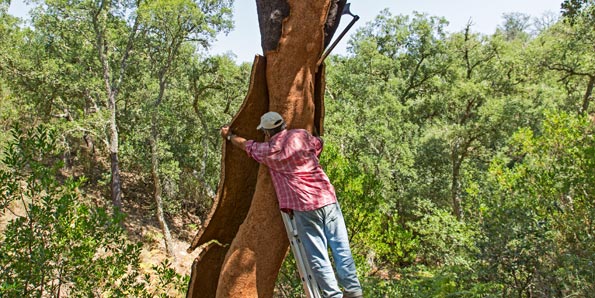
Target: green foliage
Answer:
pixel 451 182
pixel 375 233
pixel 443 240
pixel 288 280
pixel 534 226
pixel 57 244
pixel 574 9
pixel 420 282
pixel 566 52
pixel 8 115
pixel 172 22
pixel 168 282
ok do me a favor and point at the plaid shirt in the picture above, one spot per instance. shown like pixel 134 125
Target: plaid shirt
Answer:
pixel 292 159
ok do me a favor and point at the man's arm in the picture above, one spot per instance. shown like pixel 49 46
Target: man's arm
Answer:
pixel 237 141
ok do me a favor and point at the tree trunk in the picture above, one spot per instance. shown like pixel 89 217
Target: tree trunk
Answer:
pixel 207 190
pixel 254 258
pixel 456 160
pixel 153 139
pixel 271 14
pixel 116 185
pixel 588 94
pixel 99 18
pixel 454 187
pixel 112 88
pixel 246 214
pixel 113 127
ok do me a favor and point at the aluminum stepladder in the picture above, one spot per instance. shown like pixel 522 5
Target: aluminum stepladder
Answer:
pixel 308 283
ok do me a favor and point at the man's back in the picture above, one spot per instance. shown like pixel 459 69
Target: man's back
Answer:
pixel 292 158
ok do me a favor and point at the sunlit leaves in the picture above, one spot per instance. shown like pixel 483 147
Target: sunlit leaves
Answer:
pixel 538 204
pixel 56 242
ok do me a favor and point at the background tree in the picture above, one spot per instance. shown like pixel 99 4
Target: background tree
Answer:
pixel 515 25
pixel 540 202
pixel 113 68
pixel 568 51
pixel 169 26
pixel 572 9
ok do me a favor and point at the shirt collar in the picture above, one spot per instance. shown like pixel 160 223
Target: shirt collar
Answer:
pixel 278 135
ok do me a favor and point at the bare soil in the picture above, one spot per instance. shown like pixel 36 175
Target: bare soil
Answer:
pixel 142 225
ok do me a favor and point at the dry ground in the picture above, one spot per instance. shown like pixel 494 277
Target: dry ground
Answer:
pixel 142 225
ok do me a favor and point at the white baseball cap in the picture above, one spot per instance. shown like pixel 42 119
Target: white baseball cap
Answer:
pixel 270 120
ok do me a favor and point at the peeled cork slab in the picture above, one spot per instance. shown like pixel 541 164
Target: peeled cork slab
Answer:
pixel 236 188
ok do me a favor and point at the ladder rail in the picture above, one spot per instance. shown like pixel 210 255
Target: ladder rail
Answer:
pixel 306 276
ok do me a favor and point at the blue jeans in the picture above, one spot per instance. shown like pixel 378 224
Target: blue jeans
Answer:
pixel 322 228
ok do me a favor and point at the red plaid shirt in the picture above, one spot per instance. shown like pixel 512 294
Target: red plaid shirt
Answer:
pixel 292 159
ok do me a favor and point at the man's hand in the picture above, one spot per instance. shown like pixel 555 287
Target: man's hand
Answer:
pixel 235 140
pixel 225 130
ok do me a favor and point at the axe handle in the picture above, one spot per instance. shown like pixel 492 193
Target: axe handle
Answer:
pixel 328 51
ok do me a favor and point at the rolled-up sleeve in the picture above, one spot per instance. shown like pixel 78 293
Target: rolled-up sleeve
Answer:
pixel 257 151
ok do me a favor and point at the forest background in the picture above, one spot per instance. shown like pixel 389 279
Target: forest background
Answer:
pixel 464 162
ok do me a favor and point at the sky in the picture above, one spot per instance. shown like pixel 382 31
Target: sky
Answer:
pixel 485 15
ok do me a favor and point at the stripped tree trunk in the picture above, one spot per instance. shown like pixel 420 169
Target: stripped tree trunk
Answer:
pixel 255 256
pixel 245 218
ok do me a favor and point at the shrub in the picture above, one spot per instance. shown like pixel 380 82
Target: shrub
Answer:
pixel 57 246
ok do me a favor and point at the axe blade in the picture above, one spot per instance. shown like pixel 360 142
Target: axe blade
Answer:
pixel 346 9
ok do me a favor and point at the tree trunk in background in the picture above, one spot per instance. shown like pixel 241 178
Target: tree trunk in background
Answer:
pixel 153 139
pixel 154 142
pixel 116 184
pixel 112 87
pixel 111 92
pixel 588 94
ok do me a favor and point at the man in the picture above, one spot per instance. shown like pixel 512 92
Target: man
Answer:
pixel 304 190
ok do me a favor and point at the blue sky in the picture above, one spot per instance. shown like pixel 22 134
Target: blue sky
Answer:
pixel 244 40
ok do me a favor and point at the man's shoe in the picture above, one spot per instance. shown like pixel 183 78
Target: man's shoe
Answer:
pixel 346 295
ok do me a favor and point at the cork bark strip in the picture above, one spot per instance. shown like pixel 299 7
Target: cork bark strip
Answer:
pixel 234 195
pixel 294 87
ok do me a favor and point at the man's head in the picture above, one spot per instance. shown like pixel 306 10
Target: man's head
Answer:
pixel 271 123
